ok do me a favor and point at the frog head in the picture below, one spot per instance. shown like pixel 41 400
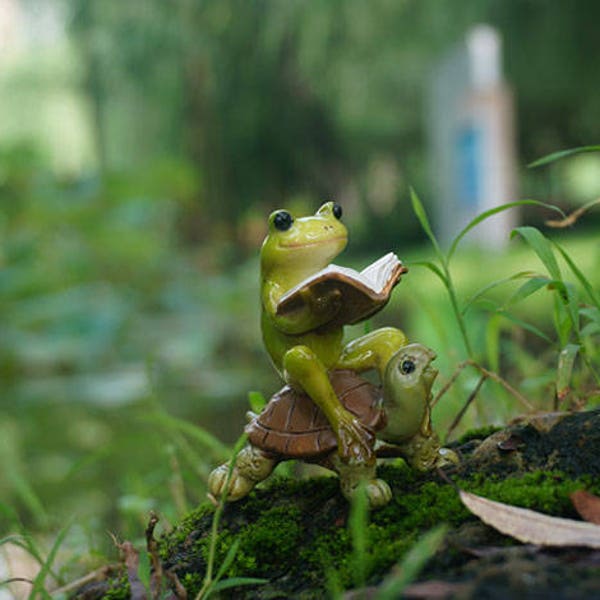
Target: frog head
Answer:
pixel 297 247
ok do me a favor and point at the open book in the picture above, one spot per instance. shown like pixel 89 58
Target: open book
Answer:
pixel 362 293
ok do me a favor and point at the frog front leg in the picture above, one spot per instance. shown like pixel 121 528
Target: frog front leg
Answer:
pixel 303 369
pixel 372 351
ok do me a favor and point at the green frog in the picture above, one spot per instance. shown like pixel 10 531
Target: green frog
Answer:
pixel 307 343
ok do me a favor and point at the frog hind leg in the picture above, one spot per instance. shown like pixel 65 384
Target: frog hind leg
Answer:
pixel 252 466
pixel 352 475
pixel 304 370
pixel 372 350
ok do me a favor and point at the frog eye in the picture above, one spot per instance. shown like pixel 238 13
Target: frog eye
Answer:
pixel 407 366
pixel 282 220
pixel 337 211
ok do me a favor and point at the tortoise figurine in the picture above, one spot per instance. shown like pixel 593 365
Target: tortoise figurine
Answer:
pixel 291 426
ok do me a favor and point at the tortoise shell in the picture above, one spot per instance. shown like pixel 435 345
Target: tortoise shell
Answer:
pixel 292 425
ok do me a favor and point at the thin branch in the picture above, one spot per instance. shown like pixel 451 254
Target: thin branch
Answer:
pixel 99 574
pixel 489 374
pixel 509 388
pixel 463 410
pixel 152 548
pixel 450 382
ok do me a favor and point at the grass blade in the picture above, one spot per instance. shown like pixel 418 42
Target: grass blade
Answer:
pixel 528 326
pixel 421 215
pixel 218 450
pixel 38 589
pixel 566 361
pixel 541 246
pixel 579 275
pixel 257 402
pixel 494 284
pixel 208 583
pixel 493 211
pixel 412 564
pixel 528 288
pixel 228 559
pixel 550 158
pixel 433 268
pixel 358 523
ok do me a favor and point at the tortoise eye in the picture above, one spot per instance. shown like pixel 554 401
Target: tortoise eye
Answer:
pixel 282 220
pixel 407 366
pixel 337 211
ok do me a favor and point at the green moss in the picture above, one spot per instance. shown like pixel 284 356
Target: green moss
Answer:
pixel 118 589
pixel 192 582
pixel 297 530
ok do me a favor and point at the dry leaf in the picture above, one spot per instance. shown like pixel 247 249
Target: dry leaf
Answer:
pixel 532 527
pixel 587 505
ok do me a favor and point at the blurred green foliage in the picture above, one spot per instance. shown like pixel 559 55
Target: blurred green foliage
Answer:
pixel 103 319
pixel 275 101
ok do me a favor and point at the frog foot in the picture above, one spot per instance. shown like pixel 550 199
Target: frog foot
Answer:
pixel 251 466
pixel 355 442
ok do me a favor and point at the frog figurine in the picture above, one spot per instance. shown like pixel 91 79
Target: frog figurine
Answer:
pixel 306 344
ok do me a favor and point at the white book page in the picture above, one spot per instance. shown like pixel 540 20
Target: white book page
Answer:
pixel 379 272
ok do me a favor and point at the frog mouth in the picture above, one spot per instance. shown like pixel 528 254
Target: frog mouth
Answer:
pixel 322 242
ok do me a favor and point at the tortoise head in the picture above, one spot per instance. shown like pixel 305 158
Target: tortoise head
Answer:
pixel 410 369
pixel 407 383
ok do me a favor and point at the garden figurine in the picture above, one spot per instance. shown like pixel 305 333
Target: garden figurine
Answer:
pixel 306 302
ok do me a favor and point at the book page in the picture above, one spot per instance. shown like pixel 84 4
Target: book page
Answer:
pixel 378 273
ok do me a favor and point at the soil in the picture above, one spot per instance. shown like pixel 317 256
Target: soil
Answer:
pixel 297 535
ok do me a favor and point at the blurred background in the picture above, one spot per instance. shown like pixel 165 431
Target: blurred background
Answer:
pixel 144 143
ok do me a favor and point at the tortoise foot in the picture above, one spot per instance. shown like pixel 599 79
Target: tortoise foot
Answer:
pixel 378 493
pixel 239 486
pixel 446 458
pixel 251 466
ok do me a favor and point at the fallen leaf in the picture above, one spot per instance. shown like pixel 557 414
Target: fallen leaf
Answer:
pixel 587 505
pixel 532 527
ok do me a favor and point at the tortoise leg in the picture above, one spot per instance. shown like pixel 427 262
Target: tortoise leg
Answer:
pixel 424 452
pixel 252 465
pixel 351 475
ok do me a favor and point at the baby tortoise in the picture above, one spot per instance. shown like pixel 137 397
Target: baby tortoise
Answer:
pixel 291 426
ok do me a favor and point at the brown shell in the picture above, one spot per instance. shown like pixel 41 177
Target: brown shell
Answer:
pixel 293 425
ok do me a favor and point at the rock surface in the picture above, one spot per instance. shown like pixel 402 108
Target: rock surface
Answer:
pixel 298 534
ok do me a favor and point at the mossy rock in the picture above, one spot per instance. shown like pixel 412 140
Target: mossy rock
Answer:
pixel 295 534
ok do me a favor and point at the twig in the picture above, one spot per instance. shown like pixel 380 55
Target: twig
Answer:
pixel 180 591
pixel 463 410
pixel 450 382
pixel 495 377
pixel 152 548
pixel 131 558
pixel 489 374
pixel 572 218
pixel 98 574
pixel 16 580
